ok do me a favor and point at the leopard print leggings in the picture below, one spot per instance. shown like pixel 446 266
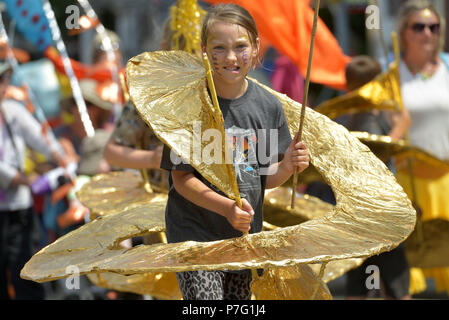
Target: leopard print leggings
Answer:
pixel 214 285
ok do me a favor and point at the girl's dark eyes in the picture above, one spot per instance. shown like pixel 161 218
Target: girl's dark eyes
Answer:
pixel 239 47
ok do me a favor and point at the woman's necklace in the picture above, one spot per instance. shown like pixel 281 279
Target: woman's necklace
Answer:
pixel 425 72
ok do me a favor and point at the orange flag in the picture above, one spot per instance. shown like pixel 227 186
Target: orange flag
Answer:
pixel 287 25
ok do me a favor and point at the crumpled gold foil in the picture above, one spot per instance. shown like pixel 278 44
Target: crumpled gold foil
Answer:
pixel 117 185
pixel 372 214
pixel 160 285
pixel 424 164
pixel 290 283
pixel 164 285
pixel 336 268
pixel 382 93
pixel 277 212
pixel 177 75
pixel 116 192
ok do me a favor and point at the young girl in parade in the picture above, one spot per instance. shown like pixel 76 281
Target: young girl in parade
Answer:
pixel 254 122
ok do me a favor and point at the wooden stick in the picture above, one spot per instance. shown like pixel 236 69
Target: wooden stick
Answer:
pixel 306 92
pixel 210 81
pixel 320 276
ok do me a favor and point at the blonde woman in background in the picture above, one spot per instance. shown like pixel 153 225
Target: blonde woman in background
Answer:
pixel 424 73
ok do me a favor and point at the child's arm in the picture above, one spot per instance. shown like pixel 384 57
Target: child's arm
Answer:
pixel 400 124
pixel 296 156
pixel 126 157
pixel 194 190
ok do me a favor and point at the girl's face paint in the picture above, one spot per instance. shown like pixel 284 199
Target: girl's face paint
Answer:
pixel 245 58
pixel 215 66
pixel 231 53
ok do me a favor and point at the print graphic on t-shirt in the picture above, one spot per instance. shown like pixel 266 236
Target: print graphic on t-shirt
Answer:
pixel 241 144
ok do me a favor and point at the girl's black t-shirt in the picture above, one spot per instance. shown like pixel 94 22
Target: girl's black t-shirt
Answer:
pixel 257 135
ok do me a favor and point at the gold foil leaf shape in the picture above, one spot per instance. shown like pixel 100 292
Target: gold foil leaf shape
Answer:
pixel 176 115
pixel 162 285
pixel 116 192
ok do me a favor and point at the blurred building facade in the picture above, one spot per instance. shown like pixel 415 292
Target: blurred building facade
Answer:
pixel 138 23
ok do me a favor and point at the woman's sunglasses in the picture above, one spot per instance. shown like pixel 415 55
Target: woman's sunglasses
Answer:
pixel 419 27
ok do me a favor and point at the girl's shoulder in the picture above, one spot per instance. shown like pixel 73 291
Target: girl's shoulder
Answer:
pixel 259 91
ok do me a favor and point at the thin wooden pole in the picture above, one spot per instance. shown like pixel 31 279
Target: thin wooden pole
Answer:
pixel 298 136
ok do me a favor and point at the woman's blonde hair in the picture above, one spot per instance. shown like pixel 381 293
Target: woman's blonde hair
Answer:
pixel 230 13
pixel 412 6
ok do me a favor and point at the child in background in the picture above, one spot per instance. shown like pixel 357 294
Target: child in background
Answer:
pixel 133 143
pixel 196 210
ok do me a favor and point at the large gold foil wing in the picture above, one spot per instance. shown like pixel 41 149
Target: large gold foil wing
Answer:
pixel 382 93
pixel 116 192
pixel 177 117
pixel 372 214
pixel 278 213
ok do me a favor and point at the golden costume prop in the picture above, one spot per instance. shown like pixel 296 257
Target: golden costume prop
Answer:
pixel 382 93
pixel 120 191
pixel 372 214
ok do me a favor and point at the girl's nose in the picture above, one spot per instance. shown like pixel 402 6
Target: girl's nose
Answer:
pixel 230 55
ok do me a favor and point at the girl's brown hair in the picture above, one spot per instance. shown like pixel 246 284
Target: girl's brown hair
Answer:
pixel 230 13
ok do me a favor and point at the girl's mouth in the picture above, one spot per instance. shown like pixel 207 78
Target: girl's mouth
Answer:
pixel 232 69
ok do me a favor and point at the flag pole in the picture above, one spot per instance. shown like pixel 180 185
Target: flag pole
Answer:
pixel 298 136
pixel 77 95
pixel 110 55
